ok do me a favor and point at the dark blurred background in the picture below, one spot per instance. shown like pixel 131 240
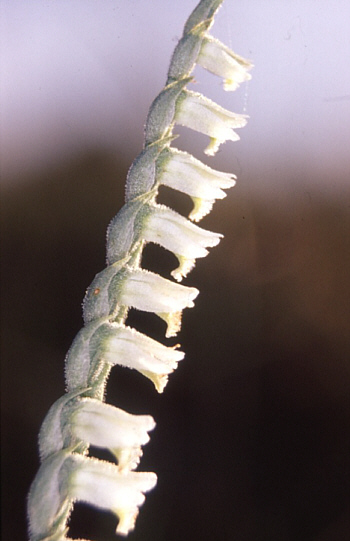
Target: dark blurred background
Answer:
pixel 252 436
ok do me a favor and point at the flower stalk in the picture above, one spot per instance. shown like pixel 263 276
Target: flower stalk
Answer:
pixel 81 417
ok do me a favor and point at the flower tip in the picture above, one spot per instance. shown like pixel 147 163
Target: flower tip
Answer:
pixel 159 380
pixel 214 144
pixel 126 522
pixel 128 459
pixel 213 147
pixel 173 321
pixel 201 207
pixel 161 383
pixel 128 515
pixel 185 266
pixel 230 85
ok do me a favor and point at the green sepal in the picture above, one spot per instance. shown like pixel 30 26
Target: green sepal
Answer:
pixel 205 10
pixel 124 231
pixel 184 57
pixel 77 363
pixel 141 175
pixel 55 427
pixel 162 111
pixel 101 298
pixel 48 502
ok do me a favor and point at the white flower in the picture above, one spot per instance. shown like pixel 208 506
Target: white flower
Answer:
pixel 114 344
pixel 106 426
pixel 175 233
pixel 127 347
pixel 150 292
pixel 220 60
pixel 71 420
pixel 64 477
pixel 104 486
pixel 181 171
pixel 161 225
pixel 203 115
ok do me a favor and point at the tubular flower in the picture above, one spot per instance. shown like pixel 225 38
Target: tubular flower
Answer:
pixel 101 484
pixel 181 171
pixel 150 292
pixel 106 426
pixel 159 224
pixel 220 60
pixel 96 423
pixel 118 344
pixel 65 477
pixel 186 240
pixel 205 116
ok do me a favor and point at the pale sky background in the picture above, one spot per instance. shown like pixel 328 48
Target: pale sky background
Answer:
pixel 82 73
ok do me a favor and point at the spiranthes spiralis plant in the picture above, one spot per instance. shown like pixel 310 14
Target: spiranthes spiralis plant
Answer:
pixel 81 417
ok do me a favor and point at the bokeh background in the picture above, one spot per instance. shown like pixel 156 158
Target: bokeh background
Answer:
pixel 252 437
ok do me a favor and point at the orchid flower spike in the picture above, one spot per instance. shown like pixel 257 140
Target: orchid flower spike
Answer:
pixel 81 418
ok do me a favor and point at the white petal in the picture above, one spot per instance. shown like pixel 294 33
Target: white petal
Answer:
pixel 150 292
pixel 205 116
pixel 220 60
